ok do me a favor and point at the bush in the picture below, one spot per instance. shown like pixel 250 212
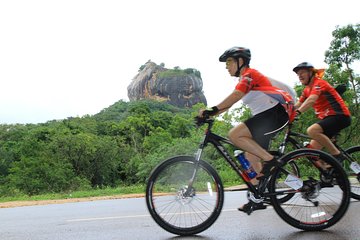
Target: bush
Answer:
pixel 40 175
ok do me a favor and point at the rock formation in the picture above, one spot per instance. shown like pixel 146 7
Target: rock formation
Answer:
pixel 182 88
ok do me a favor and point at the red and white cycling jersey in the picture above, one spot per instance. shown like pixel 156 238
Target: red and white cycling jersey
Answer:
pixel 329 102
pixel 261 95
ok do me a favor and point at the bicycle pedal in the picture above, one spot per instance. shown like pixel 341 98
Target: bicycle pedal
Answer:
pixel 249 211
pixel 252 206
pixel 326 184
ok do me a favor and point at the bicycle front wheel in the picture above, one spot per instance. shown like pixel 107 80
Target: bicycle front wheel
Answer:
pixel 352 168
pixel 182 206
pixel 320 195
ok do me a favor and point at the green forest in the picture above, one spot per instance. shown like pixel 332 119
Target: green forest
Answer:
pixel 120 145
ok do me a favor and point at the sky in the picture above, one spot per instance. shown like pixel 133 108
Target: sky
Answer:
pixel 71 58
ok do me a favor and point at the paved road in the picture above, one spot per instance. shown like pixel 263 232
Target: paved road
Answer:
pixel 129 219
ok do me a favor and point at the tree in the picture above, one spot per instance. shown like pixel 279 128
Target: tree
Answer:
pixel 181 126
pixel 345 47
pixel 344 51
pixel 35 175
pixel 343 54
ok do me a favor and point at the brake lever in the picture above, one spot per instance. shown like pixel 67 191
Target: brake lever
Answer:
pixel 199 121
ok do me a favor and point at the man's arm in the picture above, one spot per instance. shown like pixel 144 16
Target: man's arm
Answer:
pixel 234 97
pixel 308 103
pixel 297 105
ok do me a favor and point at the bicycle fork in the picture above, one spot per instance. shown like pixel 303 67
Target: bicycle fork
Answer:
pixel 197 160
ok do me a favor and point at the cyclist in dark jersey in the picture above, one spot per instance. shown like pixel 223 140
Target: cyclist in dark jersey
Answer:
pixel 270 107
pixel 329 107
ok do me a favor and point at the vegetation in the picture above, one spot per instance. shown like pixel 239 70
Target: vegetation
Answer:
pixel 88 152
pixel 95 192
pixel 176 71
pixel 121 145
pixel 179 72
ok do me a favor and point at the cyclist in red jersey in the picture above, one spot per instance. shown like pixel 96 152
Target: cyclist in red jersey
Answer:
pixel 329 107
pixel 270 108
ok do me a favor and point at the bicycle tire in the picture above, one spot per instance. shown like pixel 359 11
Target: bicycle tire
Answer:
pixel 354 177
pixel 314 206
pixel 168 203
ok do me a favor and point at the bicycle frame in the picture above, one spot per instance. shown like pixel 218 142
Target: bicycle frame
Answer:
pixel 218 141
pixel 292 137
pixel 289 138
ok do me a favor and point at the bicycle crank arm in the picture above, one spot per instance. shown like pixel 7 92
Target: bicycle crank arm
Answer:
pixel 316 203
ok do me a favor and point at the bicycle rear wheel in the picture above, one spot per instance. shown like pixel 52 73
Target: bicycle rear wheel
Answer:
pixel 181 208
pixel 315 204
pixel 352 169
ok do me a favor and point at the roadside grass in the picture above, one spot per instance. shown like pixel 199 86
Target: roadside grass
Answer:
pixel 100 192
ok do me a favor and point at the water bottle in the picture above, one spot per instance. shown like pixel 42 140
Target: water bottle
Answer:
pixel 245 163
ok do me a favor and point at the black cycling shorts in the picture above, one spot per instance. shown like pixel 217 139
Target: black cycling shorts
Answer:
pixel 265 125
pixel 332 125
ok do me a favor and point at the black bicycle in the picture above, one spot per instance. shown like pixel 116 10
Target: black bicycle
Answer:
pixel 185 195
pixel 351 163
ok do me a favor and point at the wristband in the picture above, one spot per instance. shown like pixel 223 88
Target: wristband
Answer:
pixel 215 109
pixel 211 112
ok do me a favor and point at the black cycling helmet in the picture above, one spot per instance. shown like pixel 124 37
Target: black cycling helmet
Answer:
pixel 236 52
pixel 303 65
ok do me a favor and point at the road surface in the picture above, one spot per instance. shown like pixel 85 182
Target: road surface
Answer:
pixel 123 219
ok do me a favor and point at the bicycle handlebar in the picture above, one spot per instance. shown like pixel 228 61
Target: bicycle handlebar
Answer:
pixel 199 121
